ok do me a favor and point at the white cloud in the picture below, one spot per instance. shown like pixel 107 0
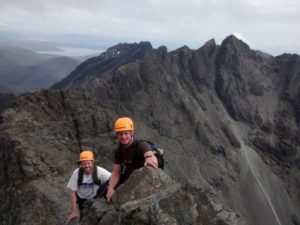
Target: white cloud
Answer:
pixel 190 22
pixel 276 7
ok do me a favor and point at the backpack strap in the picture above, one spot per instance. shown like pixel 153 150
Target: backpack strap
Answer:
pixel 94 176
pixel 80 176
pixel 102 191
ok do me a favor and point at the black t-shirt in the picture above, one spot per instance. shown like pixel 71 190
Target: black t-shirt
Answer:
pixel 131 158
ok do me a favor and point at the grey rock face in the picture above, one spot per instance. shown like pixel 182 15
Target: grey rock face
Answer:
pixel 39 147
pixel 150 196
pixel 227 117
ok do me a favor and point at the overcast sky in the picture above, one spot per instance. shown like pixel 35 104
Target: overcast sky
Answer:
pixel 272 26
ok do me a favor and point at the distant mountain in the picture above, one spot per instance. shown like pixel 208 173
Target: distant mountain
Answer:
pixel 13 56
pixel 5 89
pixel 227 117
pixel 22 70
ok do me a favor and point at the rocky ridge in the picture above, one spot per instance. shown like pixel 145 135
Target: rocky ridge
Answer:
pixel 151 197
pixel 227 117
pixel 114 57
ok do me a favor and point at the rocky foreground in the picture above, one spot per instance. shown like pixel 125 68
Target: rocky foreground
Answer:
pixel 151 197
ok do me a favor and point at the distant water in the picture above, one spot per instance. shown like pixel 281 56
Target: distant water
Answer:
pixel 72 52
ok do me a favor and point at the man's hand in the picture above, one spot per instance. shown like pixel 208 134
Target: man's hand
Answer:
pixel 151 160
pixel 110 192
pixel 74 215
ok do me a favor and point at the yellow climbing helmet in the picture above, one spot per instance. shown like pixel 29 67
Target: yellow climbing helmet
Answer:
pixel 86 155
pixel 124 124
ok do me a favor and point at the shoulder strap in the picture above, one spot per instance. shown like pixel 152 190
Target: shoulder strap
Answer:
pixel 80 176
pixel 94 176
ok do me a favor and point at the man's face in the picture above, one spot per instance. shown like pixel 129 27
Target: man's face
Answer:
pixel 125 137
pixel 87 166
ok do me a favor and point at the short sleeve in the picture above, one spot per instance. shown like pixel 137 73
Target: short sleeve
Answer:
pixel 144 147
pixel 103 174
pixel 73 184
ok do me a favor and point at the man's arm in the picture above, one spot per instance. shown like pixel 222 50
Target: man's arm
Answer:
pixel 114 179
pixel 150 159
pixel 75 212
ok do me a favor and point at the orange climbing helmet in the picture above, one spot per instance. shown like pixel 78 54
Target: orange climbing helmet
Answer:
pixel 86 155
pixel 124 124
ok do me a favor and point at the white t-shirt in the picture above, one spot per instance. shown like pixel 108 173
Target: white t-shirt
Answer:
pixel 87 189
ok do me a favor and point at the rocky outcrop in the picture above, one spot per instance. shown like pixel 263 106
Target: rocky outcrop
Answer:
pixel 150 196
pixel 227 117
pixel 40 137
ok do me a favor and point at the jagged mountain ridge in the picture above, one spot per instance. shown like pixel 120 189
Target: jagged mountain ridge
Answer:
pixel 111 59
pixel 218 111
